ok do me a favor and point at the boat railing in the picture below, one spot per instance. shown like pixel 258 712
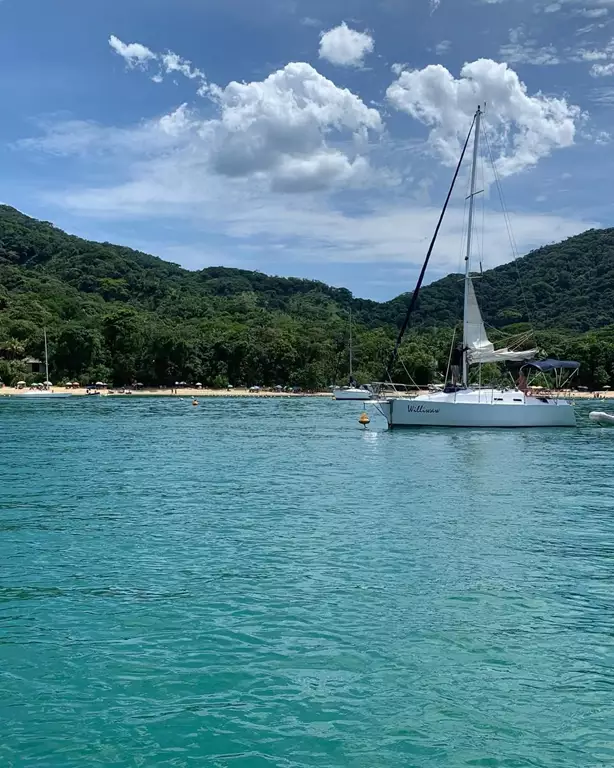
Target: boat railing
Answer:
pixel 388 388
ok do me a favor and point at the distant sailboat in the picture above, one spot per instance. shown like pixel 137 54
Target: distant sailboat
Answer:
pixel 45 392
pixel 465 405
pixel 351 392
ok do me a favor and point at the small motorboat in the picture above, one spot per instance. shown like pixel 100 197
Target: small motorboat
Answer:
pixel 601 417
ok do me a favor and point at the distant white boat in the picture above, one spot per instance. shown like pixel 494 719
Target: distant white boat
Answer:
pixel 44 393
pixel 351 392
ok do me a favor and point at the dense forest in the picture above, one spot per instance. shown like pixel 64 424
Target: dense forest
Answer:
pixel 121 316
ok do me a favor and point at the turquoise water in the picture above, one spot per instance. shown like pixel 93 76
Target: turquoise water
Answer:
pixel 263 583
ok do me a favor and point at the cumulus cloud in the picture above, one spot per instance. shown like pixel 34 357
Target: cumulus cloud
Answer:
pixel 280 128
pixel 522 128
pixel 134 54
pixel 294 131
pixel 344 46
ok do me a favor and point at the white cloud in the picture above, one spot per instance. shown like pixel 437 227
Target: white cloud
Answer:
pixel 279 127
pixel 85 138
pixel 440 49
pixel 295 131
pixel 589 8
pixel 315 230
pixel 173 63
pixel 134 54
pixel 524 50
pixel 170 63
pixel 588 54
pixel 602 70
pixel 598 55
pixel 522 128
pixel 344 46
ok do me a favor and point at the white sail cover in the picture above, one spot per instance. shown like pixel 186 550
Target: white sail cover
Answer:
pixel 479 348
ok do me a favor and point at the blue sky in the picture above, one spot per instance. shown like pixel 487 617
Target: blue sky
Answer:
pixel 310 138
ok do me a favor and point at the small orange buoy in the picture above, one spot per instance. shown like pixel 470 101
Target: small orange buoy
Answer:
pixel 194 402
pixel 364 419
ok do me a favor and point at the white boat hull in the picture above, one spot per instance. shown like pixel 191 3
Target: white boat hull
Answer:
pixel 351 393
pixel 477 408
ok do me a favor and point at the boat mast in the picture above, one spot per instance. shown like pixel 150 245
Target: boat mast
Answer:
pixel 46 359
pixel 414 297
pixel 472 193
pixel 351 372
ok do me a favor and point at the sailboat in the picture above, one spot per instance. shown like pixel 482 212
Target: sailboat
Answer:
pixel 45 392
pixel 469 406
pixel 351 392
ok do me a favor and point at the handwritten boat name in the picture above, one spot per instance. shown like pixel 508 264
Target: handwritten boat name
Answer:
pixel 421 409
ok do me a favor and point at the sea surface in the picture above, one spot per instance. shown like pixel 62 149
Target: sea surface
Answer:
pixel 258 583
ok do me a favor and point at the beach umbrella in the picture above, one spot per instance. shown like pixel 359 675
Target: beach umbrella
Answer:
pixel 99 384
pixel 20 382
pixel 48 384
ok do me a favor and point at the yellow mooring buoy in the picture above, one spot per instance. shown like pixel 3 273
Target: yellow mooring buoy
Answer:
pixel 364 419
pixel 194 402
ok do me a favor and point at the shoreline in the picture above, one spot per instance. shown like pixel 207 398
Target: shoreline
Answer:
pixel 192 392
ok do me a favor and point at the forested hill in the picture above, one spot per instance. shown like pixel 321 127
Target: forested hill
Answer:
pixel 117 314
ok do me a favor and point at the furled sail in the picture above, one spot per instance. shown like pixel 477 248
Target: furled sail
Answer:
pixel 479 348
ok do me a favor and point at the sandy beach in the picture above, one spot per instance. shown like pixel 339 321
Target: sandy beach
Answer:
pixel 193 392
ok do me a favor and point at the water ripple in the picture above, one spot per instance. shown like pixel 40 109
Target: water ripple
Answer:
pixel 263 583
